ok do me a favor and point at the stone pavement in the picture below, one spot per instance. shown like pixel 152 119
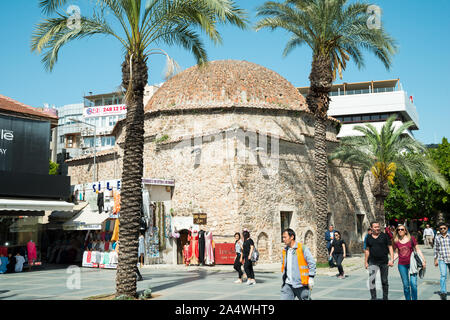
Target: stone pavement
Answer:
pixel 208 283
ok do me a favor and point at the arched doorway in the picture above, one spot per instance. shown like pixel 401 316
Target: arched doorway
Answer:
pixel 263 246
pixel 181 241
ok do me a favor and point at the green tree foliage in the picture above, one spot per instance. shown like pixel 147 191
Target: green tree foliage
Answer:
pixel 419 197
pixel 53 168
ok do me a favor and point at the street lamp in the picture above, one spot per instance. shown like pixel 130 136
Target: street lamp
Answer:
pixel 95 142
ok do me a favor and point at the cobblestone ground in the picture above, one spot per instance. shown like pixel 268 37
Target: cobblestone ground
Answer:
pixel 207 283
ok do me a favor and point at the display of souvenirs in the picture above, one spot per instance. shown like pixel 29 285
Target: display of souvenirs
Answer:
pixel 152 242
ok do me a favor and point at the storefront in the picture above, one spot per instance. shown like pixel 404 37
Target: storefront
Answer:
pixel 28 194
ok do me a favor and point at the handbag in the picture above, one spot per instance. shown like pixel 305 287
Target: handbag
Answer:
pixel 417 257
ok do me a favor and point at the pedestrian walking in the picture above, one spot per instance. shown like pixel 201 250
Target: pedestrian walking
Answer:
pixel 428 236
pixel 378 247
pixel 248 248
pixel 338 253
pixel 369 232
pixel 298 268
pixel 329 236
pixel 442 256
pixel 404 245
pixel 237 261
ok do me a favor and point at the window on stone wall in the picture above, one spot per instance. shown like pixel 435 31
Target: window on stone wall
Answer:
pixel 285 217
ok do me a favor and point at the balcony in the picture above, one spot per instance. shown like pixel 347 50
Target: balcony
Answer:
pixel 370 103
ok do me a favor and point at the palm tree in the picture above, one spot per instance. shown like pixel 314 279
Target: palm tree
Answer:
pixel 138 25
pixel 335 32
pixel 384 153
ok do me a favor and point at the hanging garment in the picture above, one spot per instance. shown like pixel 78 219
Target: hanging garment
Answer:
pixel 100 202
pixel 201 247
pixel 106 246
pixel 186 254
pixel 141 248
pixel 106 258
pixel 113 257
pixel 19 263
pixel 115 235
pixel 84 260
pixel 31 248
pixel 146 203
pixel 209 250
pixel 116 209
pixel 4 264
pixel 107 225
pixel 193 259
pixel 89 257
pixel 102 255
pixel 102 236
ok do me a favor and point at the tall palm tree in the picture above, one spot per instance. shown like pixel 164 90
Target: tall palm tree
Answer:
pixel 137 25
pixel 384 153
pixel 335 32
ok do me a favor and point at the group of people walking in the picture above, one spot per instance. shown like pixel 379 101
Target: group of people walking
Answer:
pixel 244 251
pixel 381 250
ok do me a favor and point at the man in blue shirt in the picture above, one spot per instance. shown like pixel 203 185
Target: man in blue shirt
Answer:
pixel 329 236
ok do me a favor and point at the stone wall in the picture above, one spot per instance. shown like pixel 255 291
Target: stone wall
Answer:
pixel 223 174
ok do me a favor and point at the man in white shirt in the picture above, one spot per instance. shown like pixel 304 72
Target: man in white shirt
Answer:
pixel 19 263
pixel 428 236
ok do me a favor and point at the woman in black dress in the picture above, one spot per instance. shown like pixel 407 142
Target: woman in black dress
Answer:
pixel 338 252
pixel 248 248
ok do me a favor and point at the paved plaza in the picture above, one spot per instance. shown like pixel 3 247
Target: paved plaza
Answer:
pixel 207 283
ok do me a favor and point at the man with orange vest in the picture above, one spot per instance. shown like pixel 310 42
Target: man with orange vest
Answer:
pixel 298 268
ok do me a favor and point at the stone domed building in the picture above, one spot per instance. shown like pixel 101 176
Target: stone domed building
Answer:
pixel 237 140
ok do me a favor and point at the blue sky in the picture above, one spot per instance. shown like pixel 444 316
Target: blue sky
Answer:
pixel 421 28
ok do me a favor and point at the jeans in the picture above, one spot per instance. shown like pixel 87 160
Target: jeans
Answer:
pixel 409 282
pixel 339 257
pixel 248 267
pixel 443 269
pixel 289 293
pixel 384 272
pixel 237 265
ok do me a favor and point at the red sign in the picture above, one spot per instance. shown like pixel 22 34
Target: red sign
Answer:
pixel 224 253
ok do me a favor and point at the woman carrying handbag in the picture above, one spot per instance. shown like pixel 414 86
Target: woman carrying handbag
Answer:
pixel 406 249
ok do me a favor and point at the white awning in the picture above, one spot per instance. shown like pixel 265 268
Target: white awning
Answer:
pixel 86 219
pixel 11 204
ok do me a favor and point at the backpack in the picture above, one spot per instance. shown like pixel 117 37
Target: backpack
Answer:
pixel 255 255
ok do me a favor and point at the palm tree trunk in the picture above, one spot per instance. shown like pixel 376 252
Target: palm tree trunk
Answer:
pixel 379 209
pixel 131 193
pixel 380 191
pixel 318 101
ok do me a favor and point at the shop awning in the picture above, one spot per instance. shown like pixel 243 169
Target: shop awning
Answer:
pixel 86 219
pixel 13 204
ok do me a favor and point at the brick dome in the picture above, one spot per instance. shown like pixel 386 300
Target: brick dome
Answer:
pixel 226 83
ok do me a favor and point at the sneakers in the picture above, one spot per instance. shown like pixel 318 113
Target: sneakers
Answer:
pixel 238 281
pixel 251 282
pixel 341 277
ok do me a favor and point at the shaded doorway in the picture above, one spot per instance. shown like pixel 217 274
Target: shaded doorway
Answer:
pixel 181 241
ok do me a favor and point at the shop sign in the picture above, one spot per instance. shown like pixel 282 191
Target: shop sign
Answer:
pixel 101 111
pixel 159 182
pixel 224 253
pixel 199 218
pixel 81 227
pixel 24 145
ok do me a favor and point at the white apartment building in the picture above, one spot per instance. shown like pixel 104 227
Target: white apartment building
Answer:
pixel 370 102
